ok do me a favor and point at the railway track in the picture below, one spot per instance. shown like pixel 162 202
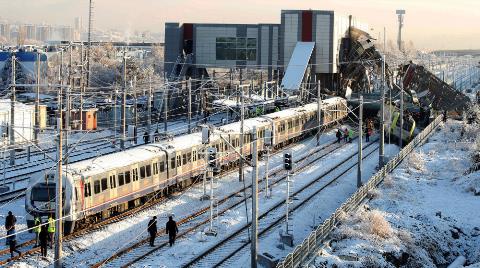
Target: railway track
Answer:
pixel 28 245
pixel 132 254
pixel 233 244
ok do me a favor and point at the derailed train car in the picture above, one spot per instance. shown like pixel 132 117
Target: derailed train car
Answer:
pixel 98 188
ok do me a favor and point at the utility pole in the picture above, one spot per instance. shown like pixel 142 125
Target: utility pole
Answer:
pixel 360 137
pixel 124 102
pixel 59 197
pixel 401 114
pixel 134 89
pixel 319 111
pixel 381 152
pixel 37 101
pixel 242 117
pixel 82 85
pixel 59 189
pixel 11 132
pixel 90 25
pixel 189 85
pixel 254 232
pixel 165 108
pixel 149 106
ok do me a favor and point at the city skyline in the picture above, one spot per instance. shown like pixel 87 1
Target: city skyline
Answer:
pixel 427 22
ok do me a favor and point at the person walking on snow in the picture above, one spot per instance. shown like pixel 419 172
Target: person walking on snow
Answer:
pixel 51 229
pixel 350 135
pixel 10 221
pixel 37 221
pixel 152 230
pixel 12 242
pixel 43 237
pixel 171 230
pixel 339 136
pixel 345 135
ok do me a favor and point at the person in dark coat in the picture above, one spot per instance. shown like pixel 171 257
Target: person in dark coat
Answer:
pixel 339 136
pixel 43 237
pixel 152 230
pixel 146 137
pixel 345 135
pixel 171 230
pixel 12 242
pixel 367 135
pixel 10 221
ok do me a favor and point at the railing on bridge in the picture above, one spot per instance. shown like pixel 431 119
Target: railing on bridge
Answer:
pixel 313 242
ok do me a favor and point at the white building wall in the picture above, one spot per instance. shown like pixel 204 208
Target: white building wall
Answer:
pixel 340 31
pixel 205 44
pixel 322 43
pixel 23 124
pixel 290 36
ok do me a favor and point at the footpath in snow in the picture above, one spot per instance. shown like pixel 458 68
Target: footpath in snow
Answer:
pixel 425 214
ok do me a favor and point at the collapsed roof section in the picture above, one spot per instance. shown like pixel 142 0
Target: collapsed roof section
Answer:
pixel 433 91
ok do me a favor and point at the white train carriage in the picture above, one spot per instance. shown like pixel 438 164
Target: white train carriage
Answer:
pixel 98 188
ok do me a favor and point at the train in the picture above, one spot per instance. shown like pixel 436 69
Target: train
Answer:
pixel 98 188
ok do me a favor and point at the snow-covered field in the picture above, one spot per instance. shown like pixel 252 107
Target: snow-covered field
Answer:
pixel 425 214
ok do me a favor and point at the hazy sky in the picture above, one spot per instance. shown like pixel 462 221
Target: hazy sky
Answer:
pixel 430 24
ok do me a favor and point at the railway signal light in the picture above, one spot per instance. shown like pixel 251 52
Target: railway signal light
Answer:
pixel 212 157
pixel 287 161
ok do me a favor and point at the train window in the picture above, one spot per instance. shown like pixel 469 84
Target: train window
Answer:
pixel 184 159
pixel 162 166
pixel 194 156
pixel 149 170
pixel 179 160
pixel 76 194
pixel 225 147
pixel 121 179
pixel 87 191
pixel 172 162
pixel 127 177
pixel 155 168
pixel 104 184
pixel 135 174
pixel 96 187
pixel 189 157
pixel 113 182
pixel 142 172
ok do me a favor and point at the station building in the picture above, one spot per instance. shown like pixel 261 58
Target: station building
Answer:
pixel 264 46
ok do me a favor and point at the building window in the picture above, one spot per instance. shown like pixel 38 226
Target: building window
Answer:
pixel 241 48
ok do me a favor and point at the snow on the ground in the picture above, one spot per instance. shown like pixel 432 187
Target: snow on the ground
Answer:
pixel 93 247
pixel 425 213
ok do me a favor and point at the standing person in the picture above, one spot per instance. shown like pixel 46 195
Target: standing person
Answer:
pixel 345 135
pixel 10 221
pixel 152 230
pixel 367 135
pixel 51 229
pixel 339 136
pixel 146 137
pixel 350 135
pixel 43 237
pixel 12 242
pixel 171 230
pixel 37 221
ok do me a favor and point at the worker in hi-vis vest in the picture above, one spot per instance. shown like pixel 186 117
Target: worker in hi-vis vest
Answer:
pixel 51 229
pixel 37 222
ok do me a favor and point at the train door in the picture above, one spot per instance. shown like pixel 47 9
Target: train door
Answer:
pixel 112 183
pixel 172 168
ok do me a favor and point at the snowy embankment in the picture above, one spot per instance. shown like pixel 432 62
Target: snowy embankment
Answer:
pixel 425 214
